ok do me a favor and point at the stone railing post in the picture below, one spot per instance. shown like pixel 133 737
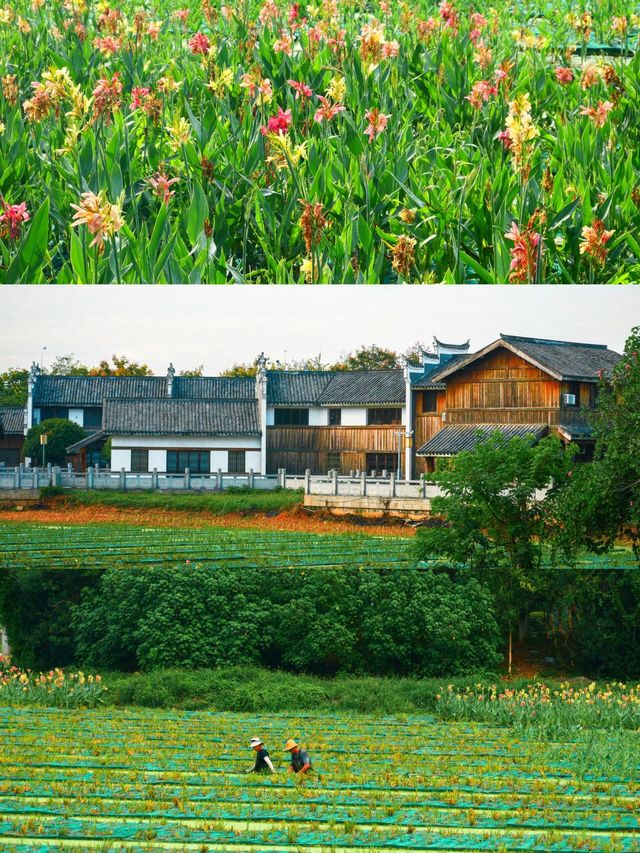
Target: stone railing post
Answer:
pixel 334 477
pixel 219 479
pixel 363 483
pixel 307 481
pixel 392 484
pixel 251 479
pixel 91 478
pixel 55 476
pixel 154 479
pixel 187 478
pixel 123 480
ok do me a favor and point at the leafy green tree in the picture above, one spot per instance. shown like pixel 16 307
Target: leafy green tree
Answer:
pixel 13 387
pixel 368 358
pixel 603 504
pixel 67 365
pixel 496 522
pixel 196 371
pixel 60 434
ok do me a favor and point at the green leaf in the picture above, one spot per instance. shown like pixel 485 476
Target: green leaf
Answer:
pixel 364 235
pixel 484 275
pixel 77 258
pixel 198 212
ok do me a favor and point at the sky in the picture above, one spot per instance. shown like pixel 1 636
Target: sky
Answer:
pixel 219 326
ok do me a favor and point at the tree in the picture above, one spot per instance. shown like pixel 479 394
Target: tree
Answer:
pixel 196 371
pixel 603 504
pixel 368 358
pixel 68 365
pixel 13 387
pixel 495 521
pixel 121 366
pixel 60 434
pixel 250 368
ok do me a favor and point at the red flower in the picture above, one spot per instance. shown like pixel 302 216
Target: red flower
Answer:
pixel 564 75
pixel 279 124
pixel 138 96
pixel 11 219
pixel 199 43
pixel 524 255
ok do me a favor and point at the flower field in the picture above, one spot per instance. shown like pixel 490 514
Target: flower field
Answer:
pixel 319 142
pixel 107 546
pixel 141 780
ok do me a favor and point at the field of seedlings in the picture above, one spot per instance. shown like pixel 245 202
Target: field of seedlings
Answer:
pixel 292 142
pixel 142 780
pixel 110 546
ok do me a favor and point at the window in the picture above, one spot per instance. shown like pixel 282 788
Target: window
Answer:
pixel 92 419
pixel 291 417
pixel 47 412
pixel 94 457
pixel 333 460
pixel 140 460
pixel 429 401
pixel 380 462
pixel 335 417
pixel 197 461
pixel 237 463
pixel 572 388
pixel 384 417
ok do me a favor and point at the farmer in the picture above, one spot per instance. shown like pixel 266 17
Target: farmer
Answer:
pixel 263 762
pixel 300 761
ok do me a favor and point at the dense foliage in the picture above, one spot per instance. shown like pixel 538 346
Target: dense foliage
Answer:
pixel 312 620
pixel 346 142
pixel 61 433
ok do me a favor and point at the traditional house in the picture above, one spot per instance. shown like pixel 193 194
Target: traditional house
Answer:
pixel 370 420
pixel 11 435
pixel 524 386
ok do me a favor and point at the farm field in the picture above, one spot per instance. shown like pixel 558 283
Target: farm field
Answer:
pixel 102 546
pixel 109 546
pixel 330 141
pixel 145 780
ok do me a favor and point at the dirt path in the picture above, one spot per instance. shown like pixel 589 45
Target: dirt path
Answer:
pixel 295 519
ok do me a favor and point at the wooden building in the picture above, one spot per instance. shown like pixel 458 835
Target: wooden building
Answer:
pixel 514 381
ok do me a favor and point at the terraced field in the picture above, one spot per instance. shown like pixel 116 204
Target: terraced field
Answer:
pixel 142 780
pixel 108 546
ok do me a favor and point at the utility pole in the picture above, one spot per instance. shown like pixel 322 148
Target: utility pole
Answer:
pixel 44 437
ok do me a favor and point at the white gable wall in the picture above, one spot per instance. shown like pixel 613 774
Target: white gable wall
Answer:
pixel 157 445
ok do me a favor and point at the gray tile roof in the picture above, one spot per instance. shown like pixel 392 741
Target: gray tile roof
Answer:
pixel 564 360
pixel 180 417
pixel 576 431
pixel 214 388
pixel 99 435
pixel 569 360
pixel 334 387
pixel 458 437
pixel 91 390
pixel 364 387
pixel 303 387
pixel 11 420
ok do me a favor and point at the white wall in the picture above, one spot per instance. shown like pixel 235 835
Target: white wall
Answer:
pixel 318 416
pixel 120 459
pixel 354 416
pixel 178 442
pixel 77 416
pixel 157 446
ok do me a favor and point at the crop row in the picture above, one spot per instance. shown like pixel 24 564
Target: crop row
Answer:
pixel 142 780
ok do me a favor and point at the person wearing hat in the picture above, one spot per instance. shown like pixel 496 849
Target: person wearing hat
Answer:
pixel 300 761
pixel 262 763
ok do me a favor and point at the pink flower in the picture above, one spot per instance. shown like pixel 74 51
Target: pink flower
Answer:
pixel 301 89
pixel 199 44
pixel 564 75
pixel 377 123
pixel 279 124
pixel 524 255
pixel 598 115
pixel 480 93
pixel 11 219
pixel 161 186
pixel 138 96
pixel 328 110
pixel 505 137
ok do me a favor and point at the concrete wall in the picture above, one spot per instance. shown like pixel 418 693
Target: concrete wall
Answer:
pixel 77 416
